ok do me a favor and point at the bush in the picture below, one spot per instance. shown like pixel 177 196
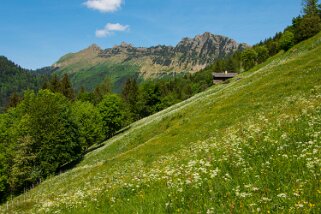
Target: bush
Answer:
pixel 262 53
pixel 114 115
pixel 249 57
pixel 287 40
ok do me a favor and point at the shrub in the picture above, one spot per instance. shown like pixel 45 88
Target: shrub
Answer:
pixel 287 40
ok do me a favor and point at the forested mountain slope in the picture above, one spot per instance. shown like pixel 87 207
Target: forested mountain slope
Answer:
pixel 252 145
pixel 13 78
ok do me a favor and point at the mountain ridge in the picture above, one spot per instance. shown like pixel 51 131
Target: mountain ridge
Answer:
pixel 208 47
pixel 189 56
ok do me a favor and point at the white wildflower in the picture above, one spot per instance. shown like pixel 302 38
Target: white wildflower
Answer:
pixel 282 195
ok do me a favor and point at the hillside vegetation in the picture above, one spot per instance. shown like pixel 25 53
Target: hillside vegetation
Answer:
pixel 252 145
pixel 14 79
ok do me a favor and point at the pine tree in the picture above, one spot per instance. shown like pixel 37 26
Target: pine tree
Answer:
pixel 101 90
pixel 14 100
pixel 97 95
pixel 130 95
pixel 130 91
pixel 54 84
pixel 106 87
pixel 66 88
pixel 310 7
pixel 306 27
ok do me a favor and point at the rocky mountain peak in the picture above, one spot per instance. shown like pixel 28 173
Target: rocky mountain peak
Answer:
pixel 204 49
pixel 189 55
pixel 123 45
pixel 93 49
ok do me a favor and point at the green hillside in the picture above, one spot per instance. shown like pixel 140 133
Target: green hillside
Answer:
pixel 90 77
pixel 14 79
pixel 253 145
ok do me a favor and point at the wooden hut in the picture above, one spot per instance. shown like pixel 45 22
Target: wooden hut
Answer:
pixel 221 77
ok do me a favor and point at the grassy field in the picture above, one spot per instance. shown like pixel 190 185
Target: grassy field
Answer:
pixel 253 145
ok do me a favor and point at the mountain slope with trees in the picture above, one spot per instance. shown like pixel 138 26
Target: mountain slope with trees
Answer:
pixel 14 80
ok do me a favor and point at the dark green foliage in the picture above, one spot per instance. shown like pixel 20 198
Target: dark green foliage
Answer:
pixel 54 84
pixel 231 64
pixel 62 86
pixel 306 27
pixel 39 137
pixel 93 76
pixel 309 24
pixel 273 47
pixel 13 78
pixel 310 7
pixel 287 40
pixel 4 160
pixel 101 90
pixel 113 113
pixel 14 100
pixel 152 96
pixel 150 99
pixel 89 123
pixel 5 156
pixel 86 96
pixel 249 58
pixel 96 96
pixel 130 95
pixel 52 129
pixel 262 53
pixel 66 88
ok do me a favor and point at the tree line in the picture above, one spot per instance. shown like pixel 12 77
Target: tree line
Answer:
pixel 303 27
pixel 45 130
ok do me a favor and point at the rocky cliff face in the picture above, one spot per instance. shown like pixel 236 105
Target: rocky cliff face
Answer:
pixel 205 49
pixel 191 54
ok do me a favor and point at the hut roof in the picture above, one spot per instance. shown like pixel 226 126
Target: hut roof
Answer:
pixel 226 75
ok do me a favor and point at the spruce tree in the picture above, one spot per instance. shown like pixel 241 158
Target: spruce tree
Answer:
pixel 14 100
pixel 54 84
pixel 310 7
pixel 66 88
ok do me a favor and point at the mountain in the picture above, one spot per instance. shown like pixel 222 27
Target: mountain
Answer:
pixel 252 145
pixel 90 66
pixel 13 78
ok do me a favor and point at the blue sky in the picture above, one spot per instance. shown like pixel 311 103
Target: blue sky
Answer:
pixel 36 33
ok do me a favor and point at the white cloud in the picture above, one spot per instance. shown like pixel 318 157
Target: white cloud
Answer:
pixel 110 28
pixel 105 6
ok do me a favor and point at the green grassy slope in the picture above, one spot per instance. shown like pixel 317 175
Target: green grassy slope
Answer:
pixel 91 76
pixel 253 145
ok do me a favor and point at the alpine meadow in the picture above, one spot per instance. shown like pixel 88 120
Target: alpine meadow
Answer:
pixel 207 125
